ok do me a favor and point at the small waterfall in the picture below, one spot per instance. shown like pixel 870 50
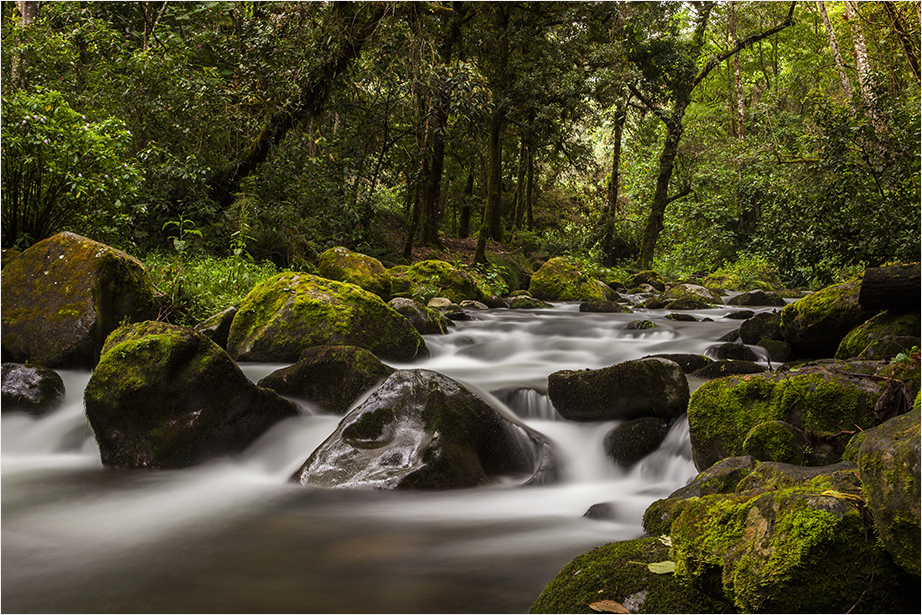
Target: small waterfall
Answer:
pixel 528 403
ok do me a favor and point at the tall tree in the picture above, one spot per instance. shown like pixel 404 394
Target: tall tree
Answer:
pixel 836 54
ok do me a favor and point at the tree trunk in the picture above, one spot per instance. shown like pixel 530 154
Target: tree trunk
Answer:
pixel 656 217
pixel 905 39
pixel 491 227
pixel 529 188
pixel 519 211
pixel 864 66
pixel 28 11
pixel 464 225
pixel 840 65
pixel 613 187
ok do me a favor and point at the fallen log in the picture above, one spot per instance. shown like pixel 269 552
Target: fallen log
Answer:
pixel 895 287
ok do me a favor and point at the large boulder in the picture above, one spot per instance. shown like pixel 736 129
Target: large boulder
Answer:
pixel 631 441
pixel 826 403
pixel 629 390
pixel 888 460
pixel 164 396
pixel 691 293
pixel 624 575
pixel 344 265
pixel 31 389
pixel 422 430
pixel 815 325
pixel 649 278
pixel 290 312
pixel 424 319
pixel 758 297
pixel 431 278
pixel 902 330
pixel 764 325
pixel 64 295
pixel 790 540
pixel 332 377
pixel 562 279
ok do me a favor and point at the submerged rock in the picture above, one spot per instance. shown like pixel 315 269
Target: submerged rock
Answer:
pixel 631 441
pixel 167 397
pixel 65 294
pixel 332 377
pixel 629 390
pixel 422 430
pixel 282 316
pixel 31 389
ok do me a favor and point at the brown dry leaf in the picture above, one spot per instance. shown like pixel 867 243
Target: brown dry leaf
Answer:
pixel 608 606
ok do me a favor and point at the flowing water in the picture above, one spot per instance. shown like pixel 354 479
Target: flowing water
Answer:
pixel 236 536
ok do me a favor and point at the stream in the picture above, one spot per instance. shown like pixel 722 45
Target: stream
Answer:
pixel 235 536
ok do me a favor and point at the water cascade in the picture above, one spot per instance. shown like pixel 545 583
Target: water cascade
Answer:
pixel 234 535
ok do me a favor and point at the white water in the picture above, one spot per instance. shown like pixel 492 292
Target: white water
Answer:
pixel 236 536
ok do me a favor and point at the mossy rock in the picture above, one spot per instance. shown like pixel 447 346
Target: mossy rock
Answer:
pixel 423 430
pixel 727 367
pixel 822 403
pixel 7 256
pixel 731 351
pixel 629 390
pixel 31 389
pixel 777 441
pixel 802 548
pixel 619 572
pixel 333 377
pixel 758 297
pixel 631 441
pixel 693 293
pixel 640 325
pixel 64 295
pixel 425 320
pixel 562 279
pixel 878 329
pixel 344 265
pixel 607 307
pixel 777 351
pixel 290 312
pixel 815 325
pixel 888 459
pixel 167 397
pixel 689 362
pixel 217 327
pixel 434 278
pixel 649 277
pixel 763 325
pixel 527 302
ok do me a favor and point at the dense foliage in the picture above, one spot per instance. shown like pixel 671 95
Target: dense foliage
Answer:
pixel 276 130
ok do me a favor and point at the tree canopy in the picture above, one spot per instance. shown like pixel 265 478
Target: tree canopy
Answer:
pixel 679 136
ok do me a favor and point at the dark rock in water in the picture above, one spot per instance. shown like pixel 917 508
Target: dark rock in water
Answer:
pixel 618 572
pixel 649 277
pixel 688 362
pixel 688 303
pixel 727 367
pixel 65 294
pixel 425 320
pixel 888 460
pixel 758 297
pixel 217 327
pixel 31 389
pixel 762 325
pixel 167 397
pixel 777 441
pixel 628 390
pixel 738 352
pixel 459 316
pixel 606 511
pixel 604 306
pixel 681 317
pixel 631 441
pixel 332 377
pixel 640 325
pixel 740 314
pixel 525 302
pixel 779 352
pixel 422 430
pixel 730 336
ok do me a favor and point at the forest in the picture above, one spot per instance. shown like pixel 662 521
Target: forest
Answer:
pixel 762 138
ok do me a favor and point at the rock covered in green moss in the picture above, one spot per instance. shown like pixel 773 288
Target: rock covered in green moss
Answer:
pixel 633 440
pixel 823 403
pixel 425 320
pixel 764 325
pixel 609 307
pixel 777 441
pixel 65 294
pixel 884 327
pixel 727 367
pixel 888 459
pixel 815 325
pixel 619 572
pixel 527 302
pixel 332 377
pixel 7 256
pixel 629 390
pixel 640 325
pixel 31 389
pixel 344 265
pixel 758 297
pixel 562 279
pixel 290 312
pixel 167 397
pixel 433 278
pixel 694 292
pixel 790 543
pixel 777 351
pixel 217 327
pixel 423 430
pixel 648 277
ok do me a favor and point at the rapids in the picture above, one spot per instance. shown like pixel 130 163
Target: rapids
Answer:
pixel 235 536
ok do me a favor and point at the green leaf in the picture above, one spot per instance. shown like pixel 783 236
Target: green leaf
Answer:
pixel 665 567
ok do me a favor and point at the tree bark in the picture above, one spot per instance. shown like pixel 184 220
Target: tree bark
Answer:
pixel 519 211
pixel 464 224
pixel 905 39
pixel 613 186
pixel 865 80
pixel 833 44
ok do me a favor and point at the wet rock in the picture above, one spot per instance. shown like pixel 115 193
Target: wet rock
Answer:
pixel 604 511
pixel 628 390
pixel 736 352
pixel 344 265
pixel 729 336
pixel 425 320
pixel 649 277
pixel 681 317
pixel 618 572
pixel 217 327
pixel 727 367
pixel 470 304
pixel 640 325
pixel 777 441
pixel 612 307
pixel 633 440
pixel 692 293
pixel 282 316
pixel 167 397
pixel 778 352
pixel 688 362
pixel 430 277
pixel 762 325
pixel 881 337
pixel 422 430
pixel 562 279
pixel 31 389
pixel 758 297
pixel 64 295
pixel 740 314
pixel 333 377
pixel 815 325
pixel 443 304
pixel 526 302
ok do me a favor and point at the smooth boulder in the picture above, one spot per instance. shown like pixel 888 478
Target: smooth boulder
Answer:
pixel 291 311
pixel 625 391
pixel 562 279
pixel 423 430
pixel 164 396
pixel 881 337
pixel 64 295
pixel 424 319
pixel 631 441
pixel 344 265
pixel 31 389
